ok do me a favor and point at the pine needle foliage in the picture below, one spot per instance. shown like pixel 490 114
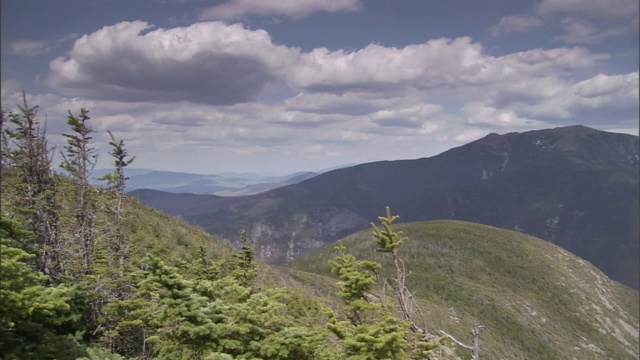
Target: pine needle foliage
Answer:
pixel 36 321
pixel 387 240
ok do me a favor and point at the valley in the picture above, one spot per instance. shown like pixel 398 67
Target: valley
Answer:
pixel 573 186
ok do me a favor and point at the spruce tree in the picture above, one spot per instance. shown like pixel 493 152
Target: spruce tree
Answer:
pixel 371 331
pixel 79 159
pixel 29 185
pixel 116 184
pixel 36 321
pixel 388 242
pixel 365 291
pixel 245 268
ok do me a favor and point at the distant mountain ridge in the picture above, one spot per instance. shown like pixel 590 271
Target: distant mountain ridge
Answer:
pixel 178 182
pixel 573 186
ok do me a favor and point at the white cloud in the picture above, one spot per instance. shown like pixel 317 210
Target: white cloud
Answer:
pixel 440 68
pixel 428 65
pixel 605 85
pixel 411 117
pixel 478 113
pixel 28 47
pixel 292 8
pixel 206 62
pixel 218 64
pixel 468 135
pixel 350 103
pixel 599 99
pixel 515 23
pixel 198 99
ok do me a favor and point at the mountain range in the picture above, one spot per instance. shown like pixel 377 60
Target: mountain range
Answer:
pixel 532 299
pixel 573 186
pixel 231 184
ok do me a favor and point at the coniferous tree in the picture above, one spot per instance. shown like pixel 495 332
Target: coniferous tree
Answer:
pixel 245 269
pixel 79 159
pixel 371 331
pixel 34 186
pixel 117 184
pixel 200 318
pixel 365 291
pixel 388 242
pixel 36 321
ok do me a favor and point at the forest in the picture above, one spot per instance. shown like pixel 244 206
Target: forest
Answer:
pixel 88 273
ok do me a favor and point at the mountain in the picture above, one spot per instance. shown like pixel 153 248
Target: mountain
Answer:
pixel 536 300
pixel 573 186
pixel 178 182
pixel 266 186
pixel 98 173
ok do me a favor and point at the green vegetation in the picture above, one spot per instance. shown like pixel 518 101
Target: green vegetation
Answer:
pixel 535 300
pixel 129 282
pixel 574 186
pixel 37 321
pixel 88 273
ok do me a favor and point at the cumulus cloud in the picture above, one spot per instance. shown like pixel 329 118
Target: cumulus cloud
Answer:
pixel 441 67
pixel 28 47
pixel 605 85
pixel 217 64
pixel 292 8
pixel 207 62
pixel 201 84
pixel 515 23
pixel 410 117
pixel 478 113
pixel 468 135
pixel 599 99
pixel 297 119
pixel 350 103
pixel 375 65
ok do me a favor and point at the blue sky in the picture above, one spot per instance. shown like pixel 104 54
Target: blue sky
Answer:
pixel 289 85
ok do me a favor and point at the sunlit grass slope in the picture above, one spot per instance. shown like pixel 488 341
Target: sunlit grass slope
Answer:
pixel 536 300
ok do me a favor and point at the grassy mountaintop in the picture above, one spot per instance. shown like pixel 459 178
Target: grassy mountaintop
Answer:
pixel 536 300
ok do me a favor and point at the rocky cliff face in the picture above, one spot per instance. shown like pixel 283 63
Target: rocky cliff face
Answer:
pixel 279 239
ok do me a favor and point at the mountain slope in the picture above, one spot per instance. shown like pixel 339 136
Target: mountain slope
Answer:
pixel 536 300
pixel 575 186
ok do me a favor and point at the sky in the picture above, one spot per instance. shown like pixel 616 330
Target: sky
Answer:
pixel 280 86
